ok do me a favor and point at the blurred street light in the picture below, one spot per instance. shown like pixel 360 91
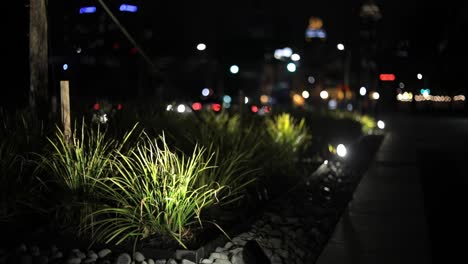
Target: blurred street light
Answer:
pixel 291 67
pixel 311 79
pixel 205 92
pixel 362 91
pixel 305 94
pixel 419 76
pixel 340 46
pixel 234 69
pixel 375 95
pixel 295 57
pixel 324 94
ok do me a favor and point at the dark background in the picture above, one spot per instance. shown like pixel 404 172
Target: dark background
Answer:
pixel 430 34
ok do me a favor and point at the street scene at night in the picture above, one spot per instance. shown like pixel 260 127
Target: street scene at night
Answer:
pixel 240 132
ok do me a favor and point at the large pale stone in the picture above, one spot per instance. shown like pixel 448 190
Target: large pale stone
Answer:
pixel 124 258
pixel 104 252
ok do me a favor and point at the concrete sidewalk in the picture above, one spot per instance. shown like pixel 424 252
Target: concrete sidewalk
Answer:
pixel 385 222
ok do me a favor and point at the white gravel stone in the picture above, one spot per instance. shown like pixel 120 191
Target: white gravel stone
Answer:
pixel 138 256
pixel 236 250
pixel 186 261
pixel 73 261
pixel 151 261
pixel 222 261
pixel 81 255
pixel 206 261
pixel 220 249
pixel 239 241
pixel 123 258
pixel 104 252
pixel 92 255
pixel 217 255
pixel 228 245
pixel 171 261
pixel 89 260
pixel 237 259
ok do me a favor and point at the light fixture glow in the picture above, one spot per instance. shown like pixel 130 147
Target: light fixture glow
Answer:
pixel 201 46
pixel 381 124
pixel 227 99
pixel 234 69
pixel 291 67
pixel 128 8
pixel 341 150
pixel 181 108
pixel 88 10
pixel 305 94
pixel 205 92
pixel 295 57
pixel 375 95
pixel 362 91
pixel 324 94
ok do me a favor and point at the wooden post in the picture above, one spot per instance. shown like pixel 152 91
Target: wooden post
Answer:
pixel 65 109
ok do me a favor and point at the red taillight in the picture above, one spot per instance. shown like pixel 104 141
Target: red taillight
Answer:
pixel 196 106
pixel 216 107
pixel 254 108
pixel 387 77
pixel 119 107
pixel 96 106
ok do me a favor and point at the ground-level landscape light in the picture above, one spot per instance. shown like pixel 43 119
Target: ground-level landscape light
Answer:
pixel 201 46
pixel 341 150
pixel 381 124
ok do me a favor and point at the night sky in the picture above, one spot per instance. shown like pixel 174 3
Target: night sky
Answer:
pixel 431 32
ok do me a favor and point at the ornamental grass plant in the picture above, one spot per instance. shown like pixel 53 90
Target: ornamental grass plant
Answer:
pixel 156 192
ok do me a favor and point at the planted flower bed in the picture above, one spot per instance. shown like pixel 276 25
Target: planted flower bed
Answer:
pixel 169 184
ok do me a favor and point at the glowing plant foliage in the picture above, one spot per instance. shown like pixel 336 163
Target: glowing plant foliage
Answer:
pixel 154 193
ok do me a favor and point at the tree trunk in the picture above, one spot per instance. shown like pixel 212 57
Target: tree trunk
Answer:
pixel 38 59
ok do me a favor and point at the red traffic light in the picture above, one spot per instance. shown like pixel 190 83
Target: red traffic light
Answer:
pixel 387 77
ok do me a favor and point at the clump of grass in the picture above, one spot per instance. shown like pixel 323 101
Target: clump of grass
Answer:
pixel 71 167
pixel 368 123
pixel 17 139
pixel 233 146
pixel 285 139
pixel 292 135
pixel 155 193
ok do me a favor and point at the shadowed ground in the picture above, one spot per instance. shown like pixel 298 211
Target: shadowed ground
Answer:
pixel 408 208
